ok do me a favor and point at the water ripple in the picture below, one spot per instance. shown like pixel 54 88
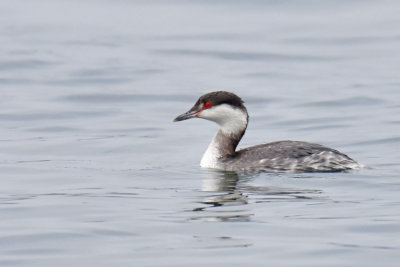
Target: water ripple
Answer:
pixel 244 56
pixel 111 98
pixel 24 64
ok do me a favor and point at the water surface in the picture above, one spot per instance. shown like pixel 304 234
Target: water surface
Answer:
pixel 94 172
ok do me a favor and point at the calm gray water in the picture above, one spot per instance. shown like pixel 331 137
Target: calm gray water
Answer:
pixel 94 172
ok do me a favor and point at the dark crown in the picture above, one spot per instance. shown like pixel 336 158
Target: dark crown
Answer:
pixel 221 97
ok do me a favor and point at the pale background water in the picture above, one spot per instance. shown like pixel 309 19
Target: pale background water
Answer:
pixel 94 172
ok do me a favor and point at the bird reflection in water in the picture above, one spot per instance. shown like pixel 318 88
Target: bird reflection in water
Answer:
pixel 231 198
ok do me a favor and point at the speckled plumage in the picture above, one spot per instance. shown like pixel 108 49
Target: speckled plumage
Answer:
pixel 229 112
pixel 288 156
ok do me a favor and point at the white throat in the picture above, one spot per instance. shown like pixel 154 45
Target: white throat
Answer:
pixel 211 156
pixel 233 122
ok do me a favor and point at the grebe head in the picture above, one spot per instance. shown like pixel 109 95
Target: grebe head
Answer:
pixel 222 107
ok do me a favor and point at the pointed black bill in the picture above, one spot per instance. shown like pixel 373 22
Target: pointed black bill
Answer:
pixel 187 115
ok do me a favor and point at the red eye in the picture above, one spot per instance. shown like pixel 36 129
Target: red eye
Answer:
pixel 207 105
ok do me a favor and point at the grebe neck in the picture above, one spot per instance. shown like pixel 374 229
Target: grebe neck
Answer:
pixel 226 140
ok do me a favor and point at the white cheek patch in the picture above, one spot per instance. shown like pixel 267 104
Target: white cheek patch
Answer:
pixel 232 120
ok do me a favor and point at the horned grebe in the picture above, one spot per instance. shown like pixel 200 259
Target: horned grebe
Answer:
pixel 228 111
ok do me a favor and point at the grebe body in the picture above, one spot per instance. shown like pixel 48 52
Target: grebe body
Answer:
pixel 228 110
